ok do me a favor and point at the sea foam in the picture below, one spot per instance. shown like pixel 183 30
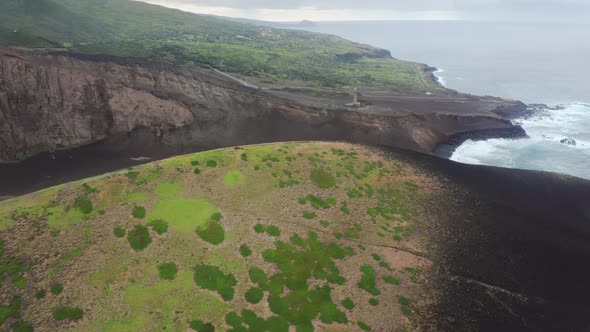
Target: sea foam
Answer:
pixel 544 149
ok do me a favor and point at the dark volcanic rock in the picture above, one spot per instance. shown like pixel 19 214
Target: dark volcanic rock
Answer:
pixel 568 141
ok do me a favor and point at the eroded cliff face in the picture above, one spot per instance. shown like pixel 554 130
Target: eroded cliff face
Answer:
pixel 57 101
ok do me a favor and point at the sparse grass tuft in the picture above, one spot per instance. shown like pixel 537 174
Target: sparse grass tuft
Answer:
pixel 403 300
pixel 211 163
pixel 56 289
pixel 323 179
pixel 373 301
pixel 414 273
pixel 40 294
pixel 309 215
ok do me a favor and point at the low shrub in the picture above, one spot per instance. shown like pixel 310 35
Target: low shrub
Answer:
pixel 159 226
pixel 245 250
pixel 138 212
pixel 83 205
pixel 139 238
pixel 254 295
pixel 67 313
pixel 56 289
pixel 168 271
pixel 119 232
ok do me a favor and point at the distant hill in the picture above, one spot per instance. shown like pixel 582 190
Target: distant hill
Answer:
pixel 129 28
pixel 272 24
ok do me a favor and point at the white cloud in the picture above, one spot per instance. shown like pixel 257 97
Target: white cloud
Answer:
pixel 311 13
pixel 345 10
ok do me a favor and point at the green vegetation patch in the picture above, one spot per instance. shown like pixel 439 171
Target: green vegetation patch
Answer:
pixel 245 251
pixel 323 179
pixel 119 232
pixel 414 273
pixel 318 203
pixel 373 301
pixel 348 303
pixel 168 189
pixel 254 295
pixel 344 208
pixel 212 232
pixel 367 281
pixel 168 297
pixel 10 311
pixel 405 303
pixel 132 174
pixel 159 226
pixel 271 230
pixel 309 215
pixel 67 313
pixel 391 280
pixel 56 289
pixel 83 205
pixel 183 215
pixel 21 327
pixel 233 177
pixel 363 326
pixel 200 326
pixel 139 238
pixel 258 277
pixel 40 294
pixel 255 323
pixel 168 271
pixel 212 278
pixel 138 212
pixel 298 262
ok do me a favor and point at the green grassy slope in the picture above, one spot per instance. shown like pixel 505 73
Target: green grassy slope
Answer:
pixel 129 28
pixel 259 238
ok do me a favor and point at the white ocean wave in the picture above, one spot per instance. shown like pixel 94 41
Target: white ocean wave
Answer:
pixel 544 149
pixel 439 78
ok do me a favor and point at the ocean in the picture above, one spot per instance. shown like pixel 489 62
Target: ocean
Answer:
pixel 537 63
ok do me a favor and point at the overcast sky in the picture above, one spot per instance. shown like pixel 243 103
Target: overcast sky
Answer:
pixel 334 10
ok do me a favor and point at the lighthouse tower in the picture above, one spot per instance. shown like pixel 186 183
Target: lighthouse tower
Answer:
pixel 355 99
